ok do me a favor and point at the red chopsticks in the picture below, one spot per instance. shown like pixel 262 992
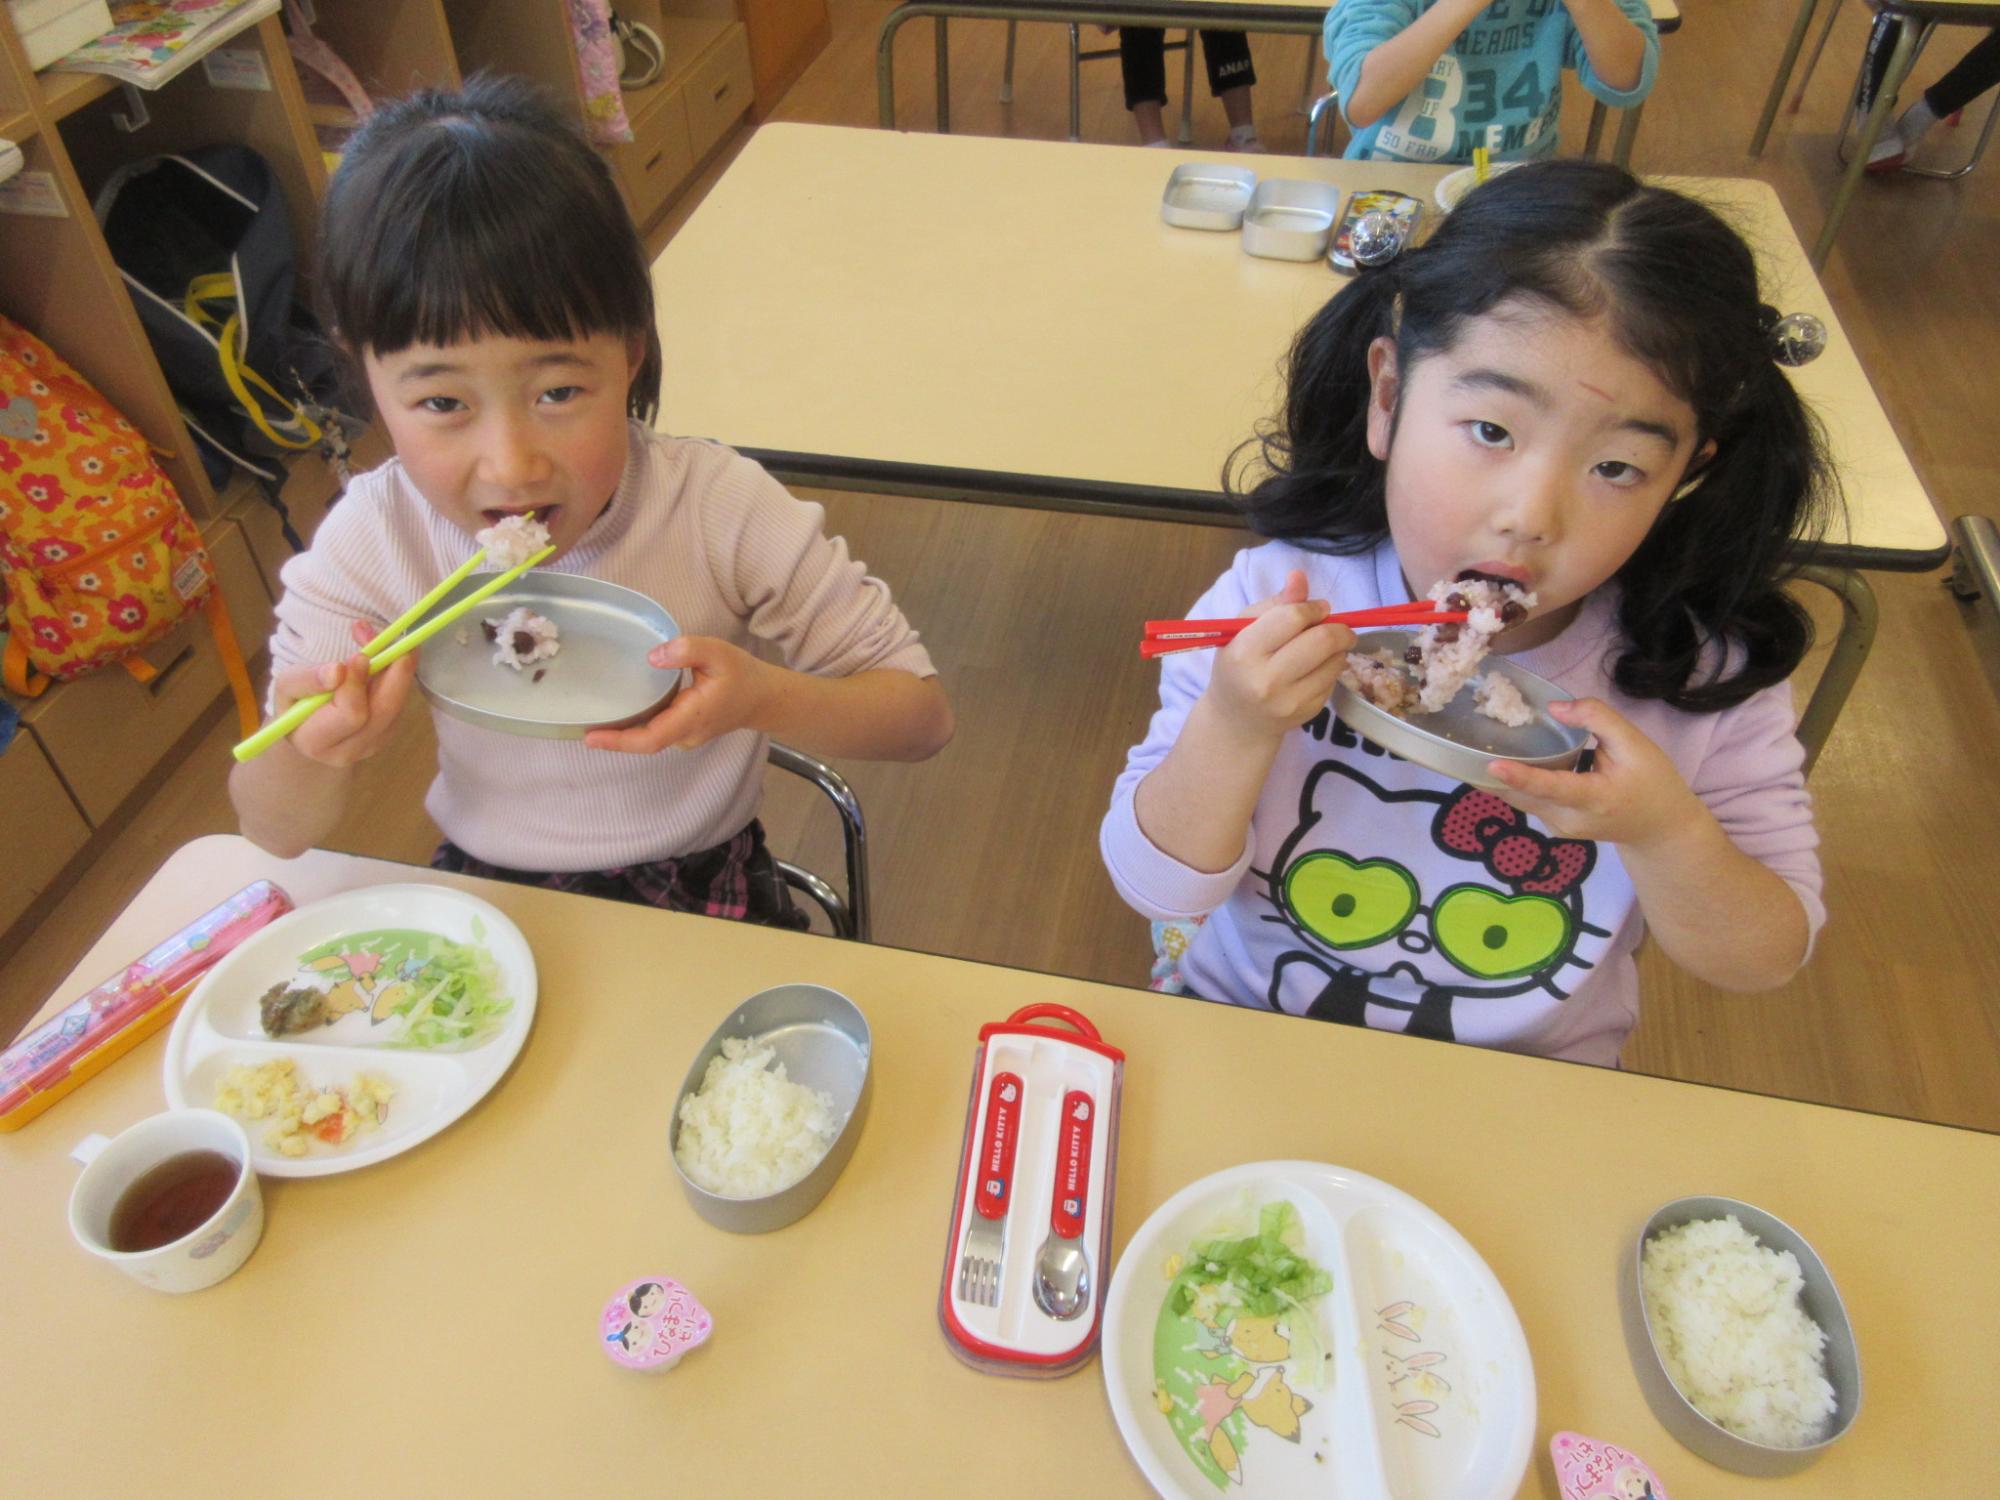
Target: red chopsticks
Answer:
pixel 1164 637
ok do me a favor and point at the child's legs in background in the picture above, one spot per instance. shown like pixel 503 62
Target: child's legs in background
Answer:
pixel 1230 72
pixel 1142 59
pixel 1975 73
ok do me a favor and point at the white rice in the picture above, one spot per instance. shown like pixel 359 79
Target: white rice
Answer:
pixel 512 541
pixel 516 627
pixel 1496 696
pixel 1734 1339
pixel 748 1130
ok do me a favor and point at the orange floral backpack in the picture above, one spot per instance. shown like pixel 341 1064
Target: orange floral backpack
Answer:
pixel 98 557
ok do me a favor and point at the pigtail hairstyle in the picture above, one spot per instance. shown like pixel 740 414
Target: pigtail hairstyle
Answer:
pixel 1678 288
pixel 481 212
pixel 1319 484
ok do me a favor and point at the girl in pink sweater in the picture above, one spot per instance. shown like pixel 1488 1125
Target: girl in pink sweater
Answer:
pixel 1572 386
pixel 478 264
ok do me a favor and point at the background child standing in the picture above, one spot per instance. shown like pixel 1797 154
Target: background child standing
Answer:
pixel 1431 80
pixel 479 265
pixel 1571 387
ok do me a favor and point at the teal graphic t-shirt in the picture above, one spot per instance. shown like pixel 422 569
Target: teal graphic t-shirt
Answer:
pixel 1499 84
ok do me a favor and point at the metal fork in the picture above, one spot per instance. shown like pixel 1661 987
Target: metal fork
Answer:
pixel 984 1250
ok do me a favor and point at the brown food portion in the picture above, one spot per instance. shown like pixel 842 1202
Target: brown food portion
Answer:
pixel 489 630
pixel 540 673
pixel 284 1009
pixel 523 643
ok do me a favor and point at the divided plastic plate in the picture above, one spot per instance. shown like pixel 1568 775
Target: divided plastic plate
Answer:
pixel 1425 1392
pixel 219 1027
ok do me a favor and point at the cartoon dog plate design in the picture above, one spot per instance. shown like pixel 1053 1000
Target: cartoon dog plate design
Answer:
pixel 1388 1360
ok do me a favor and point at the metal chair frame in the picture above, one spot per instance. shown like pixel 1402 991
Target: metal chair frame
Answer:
pixel 850 916
pixel 1941 174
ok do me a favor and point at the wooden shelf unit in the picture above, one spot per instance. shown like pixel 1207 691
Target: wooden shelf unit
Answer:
pixel 677 120
pixel 58 280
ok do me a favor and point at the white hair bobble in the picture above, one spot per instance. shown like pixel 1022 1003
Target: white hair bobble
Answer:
pixel 1795 338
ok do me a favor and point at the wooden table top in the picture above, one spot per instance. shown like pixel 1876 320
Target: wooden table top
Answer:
pixel 955 314
pixel 427 1326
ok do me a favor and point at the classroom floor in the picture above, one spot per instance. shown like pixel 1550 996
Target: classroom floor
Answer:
pixel 989 851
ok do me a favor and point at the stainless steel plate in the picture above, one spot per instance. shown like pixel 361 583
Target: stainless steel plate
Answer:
pixel 1458 740
pixel 1207 195
pixel 600 679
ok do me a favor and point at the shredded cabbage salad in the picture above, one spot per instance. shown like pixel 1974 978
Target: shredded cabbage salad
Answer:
pixel 445 993
pixel 1260 1275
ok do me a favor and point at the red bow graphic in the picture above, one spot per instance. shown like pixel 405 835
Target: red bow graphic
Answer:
pixel 1478 825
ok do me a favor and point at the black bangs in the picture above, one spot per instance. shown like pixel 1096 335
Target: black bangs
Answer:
pixel 479 213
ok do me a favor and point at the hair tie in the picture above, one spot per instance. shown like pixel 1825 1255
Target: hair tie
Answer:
pixel 1377 238
pixel 1793 339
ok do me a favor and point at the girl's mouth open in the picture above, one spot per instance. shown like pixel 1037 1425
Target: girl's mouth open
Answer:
pixel 1494 576
pixel 546 514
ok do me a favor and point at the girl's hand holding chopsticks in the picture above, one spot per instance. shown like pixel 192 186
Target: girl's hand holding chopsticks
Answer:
pixel 1164 637
pixel 381 652
pixel 360 708
pixel 1277 670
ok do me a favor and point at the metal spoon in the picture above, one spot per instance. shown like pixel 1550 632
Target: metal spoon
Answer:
pixel 1062 1270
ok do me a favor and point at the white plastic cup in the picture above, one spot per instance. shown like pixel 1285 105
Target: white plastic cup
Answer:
pixel 198 1259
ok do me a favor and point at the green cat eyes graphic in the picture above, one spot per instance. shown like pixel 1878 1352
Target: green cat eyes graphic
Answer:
pixel 1496 936
pixel 1349 903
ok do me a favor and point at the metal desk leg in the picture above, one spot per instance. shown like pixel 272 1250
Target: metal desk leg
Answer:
pixel 1850 652
pixel 1628 132
pixel 1187 92
pixel 1799 25
pixel 1908 41
pixel 1812 63
pixel 1075 82
pixel 1596 133
pixel 943 79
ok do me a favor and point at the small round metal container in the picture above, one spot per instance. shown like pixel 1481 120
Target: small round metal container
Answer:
pixel 824 1042
pixel 1822 1304
pixel 600 679
pixel 1458 740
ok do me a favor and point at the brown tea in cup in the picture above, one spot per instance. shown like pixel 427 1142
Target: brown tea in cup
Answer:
pixel 172 1200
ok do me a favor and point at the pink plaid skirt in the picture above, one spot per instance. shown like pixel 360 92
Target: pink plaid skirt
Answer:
pixel 738 879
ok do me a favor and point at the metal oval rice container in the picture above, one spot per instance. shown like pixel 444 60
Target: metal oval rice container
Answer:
pixel 825 1043
pixel 1822 1304
pixel 1458 740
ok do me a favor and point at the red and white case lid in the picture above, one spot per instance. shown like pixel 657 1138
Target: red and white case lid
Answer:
pixel 1039 1160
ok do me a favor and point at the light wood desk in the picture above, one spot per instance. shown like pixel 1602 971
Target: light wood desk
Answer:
pixel 427 1326
pixel 975 318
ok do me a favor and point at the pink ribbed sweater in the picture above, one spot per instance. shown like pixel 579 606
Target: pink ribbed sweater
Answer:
pixel 694 525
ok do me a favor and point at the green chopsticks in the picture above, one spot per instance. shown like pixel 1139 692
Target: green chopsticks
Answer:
pixel 393 644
